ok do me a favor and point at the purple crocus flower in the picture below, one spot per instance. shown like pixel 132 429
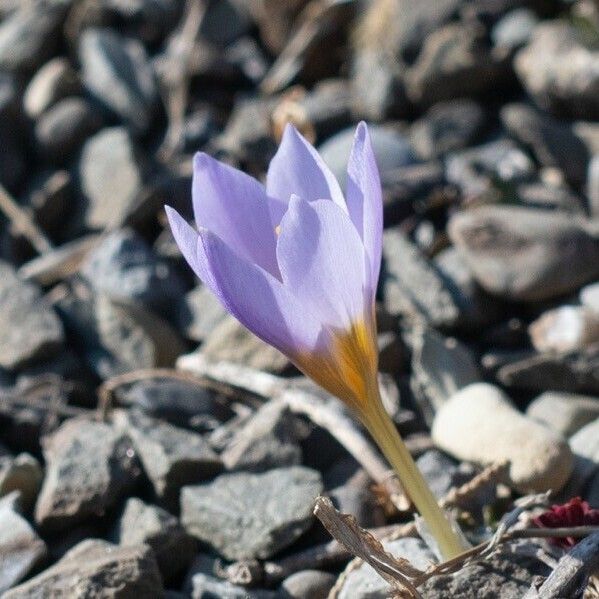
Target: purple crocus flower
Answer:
pixel 298 263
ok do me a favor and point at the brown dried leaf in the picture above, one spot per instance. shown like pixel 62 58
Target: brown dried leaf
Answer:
pixel 398 572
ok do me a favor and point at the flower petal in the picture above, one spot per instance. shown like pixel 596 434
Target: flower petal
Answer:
pixel 251 294
pixel 297 169
pixel 234 206
pixel 321 259
pixel 365 201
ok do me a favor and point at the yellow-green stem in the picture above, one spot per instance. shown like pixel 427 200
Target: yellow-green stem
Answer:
pixel 383 430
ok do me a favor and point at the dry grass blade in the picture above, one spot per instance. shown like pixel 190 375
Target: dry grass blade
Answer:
pixel 343 527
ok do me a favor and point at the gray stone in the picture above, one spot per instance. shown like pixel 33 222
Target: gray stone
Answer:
pixel 171 457
pixel 476 170
pixel 22 473
pixel 264 512
pixel 141 523
pixel 116 337
pixel 412 287
pixel 480 424
pixel 267 440
pixel 559 71
pixel 314 584
pixel 589 296
pixel 198 313
pixel 446 127
pixel 232 342
pixel 593 185
pixel 29 328
pixel 440 367
pixel 477 308
pixel 565 413
pixel 391 149
pixel 526 254
pixel 576 372
pixel 89 467
pixel 585 445
pixel 96 568
pixel 514 29
pixel 502 576
pixel 29 35
pixel 117 73
pixel 441 472
pixel 378 90
pixel 455 62
pixel 54 81
pixel 110 176
pixel 553 142
pixel 123 266
pixel 364 583
pixel 63 128
pixel 182 403
pixel 205 586
pixel 20 547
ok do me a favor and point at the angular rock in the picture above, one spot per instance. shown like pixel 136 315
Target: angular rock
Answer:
pixel 267 440
pixel 96 568
pixel 441 472
pixel 440 367
pixel 477 171
pixel 141 523
pixel 110 176
pixel 558 71
pixel 315 584
pixel 124 267
pixel 54 81
pixel 116 337
pixel 446 127
pixel 575 372
pixel 553 142
pixel 179 402
pixel 565 413
pixel 456 62
pixel 364 583
pixel 171 457
pixel 565 329
pixel 117 73
pixel 29 35
pixel 231 341
pixel 264 512
pixel 525 254
pixel 29 328
pixel 198 313
pixel 89 467
pixel 20 547
pixel 502 576
pixel 205 586
pixel 63 128
pixel 412 287
pixel 479 424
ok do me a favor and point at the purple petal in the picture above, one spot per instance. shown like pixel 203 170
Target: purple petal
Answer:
pixel 297 169
pixel 365 202
pixel 251 294
pixel 234 206
pixel 321 258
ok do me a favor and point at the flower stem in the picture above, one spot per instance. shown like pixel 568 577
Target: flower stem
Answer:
pixel 383 430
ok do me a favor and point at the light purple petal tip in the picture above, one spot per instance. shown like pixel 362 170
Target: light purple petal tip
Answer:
pixel 321 258
pixel 365 202
pixel 234 206
pixel 298 169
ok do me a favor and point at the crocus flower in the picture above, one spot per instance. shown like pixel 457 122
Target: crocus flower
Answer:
pixel 297 263
pixel 573 513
